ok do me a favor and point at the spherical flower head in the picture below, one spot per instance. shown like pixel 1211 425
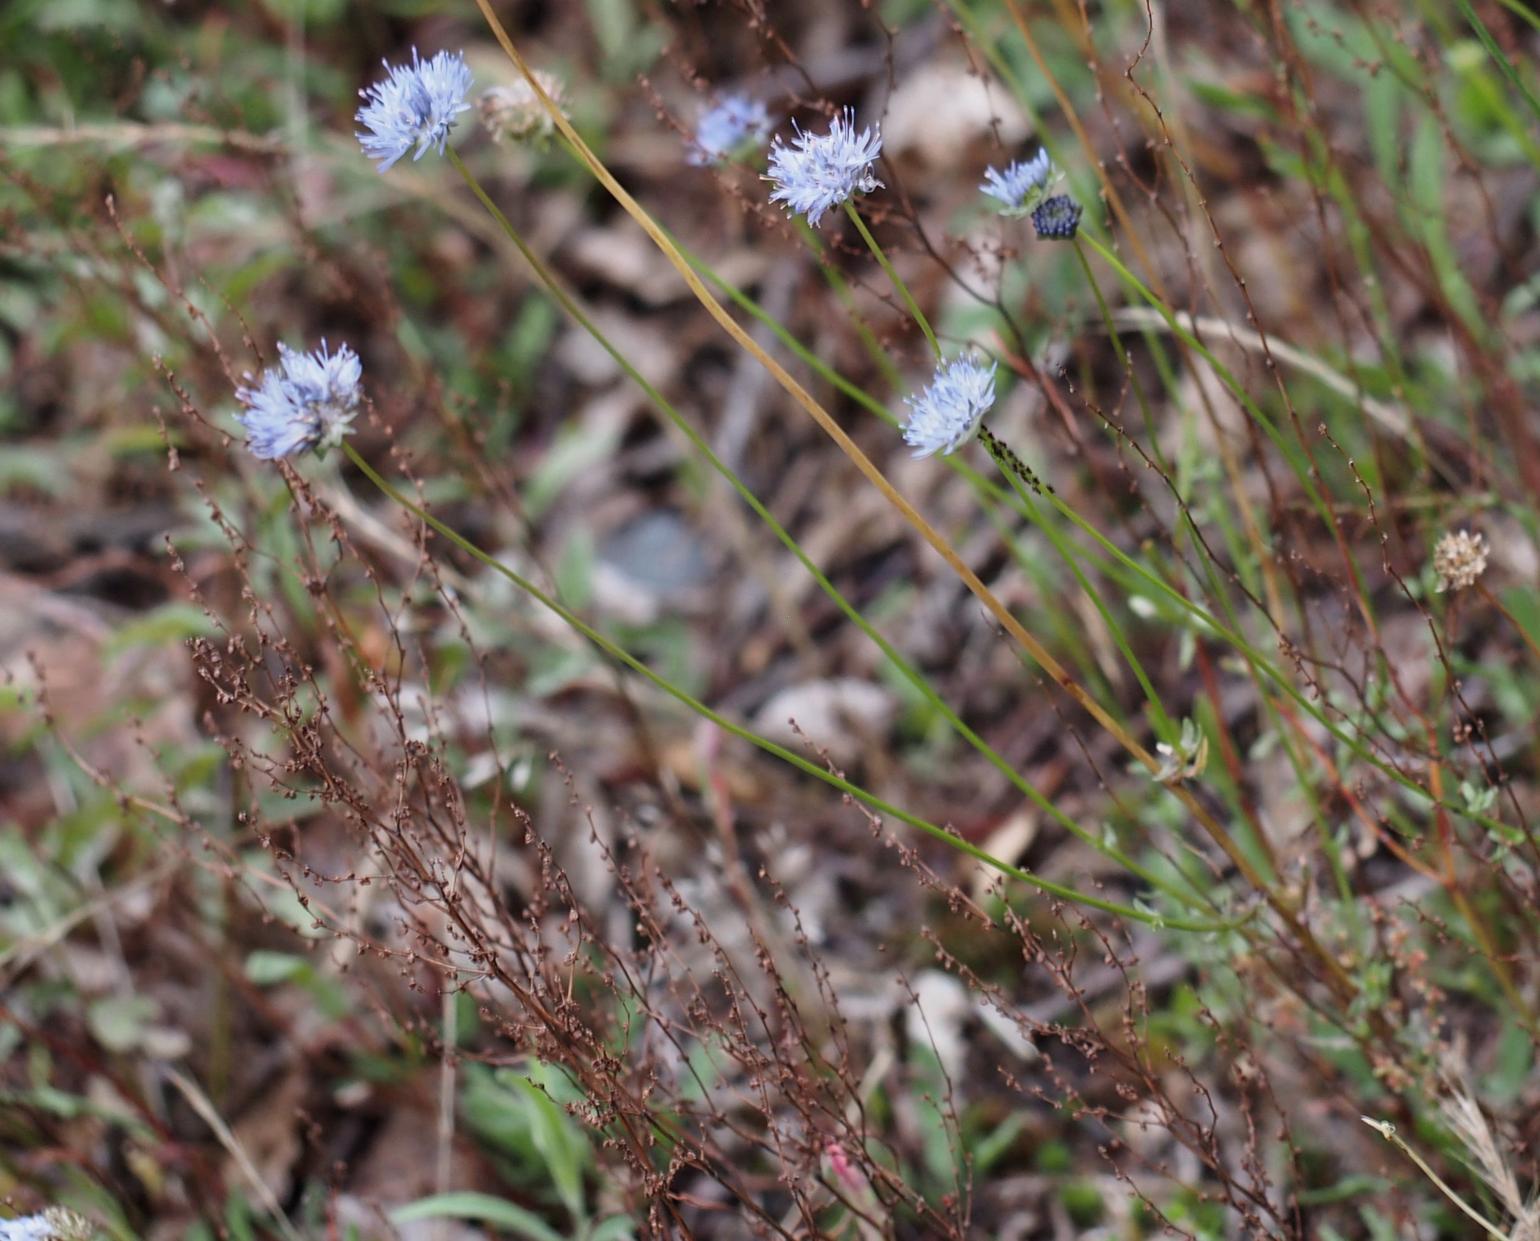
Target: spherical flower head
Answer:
pixel 1021 186
pixel 307 401
pixel 516 113
pixel 1459 559
pixel 730 123
pixel 415 106
pixel 1057 218
pixel 819 171
pixel 26 1228
pixel 944 416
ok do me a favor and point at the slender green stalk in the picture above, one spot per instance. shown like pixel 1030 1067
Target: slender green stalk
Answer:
pixel 1186 523
pixel 1117 343
pixel 1024 483
pixel 1223 373
pixel 903 289
pixel 836 281
pixel 1522 10
pixel 1228 632
pixel 907 670
pixel 986 489
pixel 1496 53
pixel 1283 904
pixel 619 654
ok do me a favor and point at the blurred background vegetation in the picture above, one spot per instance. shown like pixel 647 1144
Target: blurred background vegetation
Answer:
pixel 284 775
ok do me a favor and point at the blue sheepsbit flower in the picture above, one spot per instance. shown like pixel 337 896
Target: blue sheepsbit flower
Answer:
pixel 27 1228
pixel 944 416
pixel 725 126
pixel 415 106
pixel 1057 218
pixel 1021 186
pixel 307 401
pixel 819 171
pixel 54 1224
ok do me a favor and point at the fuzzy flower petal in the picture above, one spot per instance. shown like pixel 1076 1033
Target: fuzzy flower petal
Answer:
pixel 1057 218
pixel 54 1224
pixel 729 123
pixel 307 401
pixel 26 1228
pixel 1021 186
pixel 819 171
pixel 946 414
pixel 415 106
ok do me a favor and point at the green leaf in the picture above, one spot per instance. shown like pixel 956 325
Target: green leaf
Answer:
pixel 41 469
pixel 97 16
pixel 529 339
pixel 559 1144
pixel 140 438
pixel 493 1113
pixel 614 23
pixel 238 1219
pixel 1426 181
pixel 117 1022
pixel 1241 103
pixel 312 12
pixel 1495 50
pixel 464 1204
pixel 1385 103
pixel 987 1151
pixel 1515 1059
pixel 171 623
pixel 1352 1186
pixel 573 453
pixel 575 569
pixel 615 1228
pixel 266 968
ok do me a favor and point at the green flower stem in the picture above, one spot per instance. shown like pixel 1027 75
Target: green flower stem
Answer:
pixel 907 670
pixel 1228 632
pixel 1332 969
pixel 1306 473
pixel 1024 484
pixel 893 276
pixel 1117 344
pixel 1221 371
pixel 1515 79
pixel 804 765
pixel 841 287
pixel 1262 843
pixel 986 489
pixel 1177 328
pixel 983 486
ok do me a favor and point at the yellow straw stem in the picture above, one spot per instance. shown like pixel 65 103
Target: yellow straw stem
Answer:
pixel 1336 976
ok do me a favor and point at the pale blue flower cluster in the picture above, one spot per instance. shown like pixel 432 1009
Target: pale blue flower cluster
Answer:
pixel 728 124
pixel 820 171
pixel 944 416
pixel 26 1228
pixel 415 106
pixel 307 401
pixel 54 1224
pixel 1021 186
